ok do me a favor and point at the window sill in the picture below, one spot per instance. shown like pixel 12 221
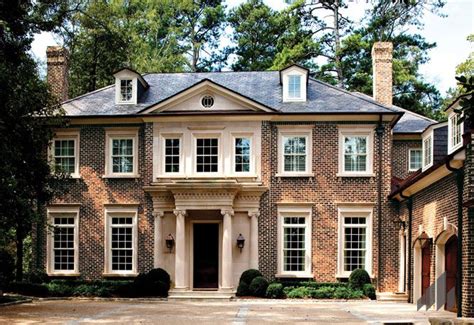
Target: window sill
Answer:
pixel 119 275
pixel 73 274
pixel 294 175
pixel 355 175
pixel 453 149
pixel 301 276
pixel 121 176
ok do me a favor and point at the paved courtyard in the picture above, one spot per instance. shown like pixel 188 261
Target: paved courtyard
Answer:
pixel 229 312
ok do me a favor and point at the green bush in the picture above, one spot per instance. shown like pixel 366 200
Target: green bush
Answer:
pixel 322 292
pixel 243 289
pixel 154 283
pixel 347 293
pixel 29 289
pixel 311 284
pixel 275 291
pixel 300 292
pixel 358 278
pixel 369 291
pixel 37 276
pixel 60 288
pixel 286 290
pixel 258 286
pixel 248 275
pixel 7 268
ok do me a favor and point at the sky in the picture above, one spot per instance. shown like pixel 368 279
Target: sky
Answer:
pixel 449 33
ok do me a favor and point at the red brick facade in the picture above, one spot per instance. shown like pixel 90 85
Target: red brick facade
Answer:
pixel 400 154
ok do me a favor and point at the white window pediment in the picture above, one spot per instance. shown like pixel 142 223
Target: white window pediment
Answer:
pixel 294 84
pixel 126 87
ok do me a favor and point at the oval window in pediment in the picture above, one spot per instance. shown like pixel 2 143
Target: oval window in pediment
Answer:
pixel 207 101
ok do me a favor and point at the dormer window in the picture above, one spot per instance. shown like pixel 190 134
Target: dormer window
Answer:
pixel 126 90
pixel 427 151
pixel 454 132
pixel 294 87
pixel 294 81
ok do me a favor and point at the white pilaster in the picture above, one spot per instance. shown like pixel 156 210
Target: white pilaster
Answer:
pixel 158 259
pixel 227 250
pixel 253 215
pixel 180 244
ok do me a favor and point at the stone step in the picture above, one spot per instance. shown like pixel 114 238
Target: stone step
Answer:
pixel 392 296
pixel 195 295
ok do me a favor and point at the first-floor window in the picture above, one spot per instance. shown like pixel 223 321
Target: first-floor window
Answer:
pixel 121 243
pixel 63 240
pixel 207 155
pixel 355 241
pixel 416 159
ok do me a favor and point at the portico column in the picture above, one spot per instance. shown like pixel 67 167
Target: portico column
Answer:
pixel 253 215
pixel 180 244
pixel 158 214
pixel 227 249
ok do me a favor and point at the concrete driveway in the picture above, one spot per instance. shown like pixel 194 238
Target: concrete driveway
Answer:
pixel 230 312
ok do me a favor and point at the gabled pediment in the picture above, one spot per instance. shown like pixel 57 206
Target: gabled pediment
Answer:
pixel 206 96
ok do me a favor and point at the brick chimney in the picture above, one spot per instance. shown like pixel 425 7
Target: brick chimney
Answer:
pixel 57 63
pixel 382 72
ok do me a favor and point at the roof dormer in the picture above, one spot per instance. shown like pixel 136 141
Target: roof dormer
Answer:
pixel 294 80
pixel 129 85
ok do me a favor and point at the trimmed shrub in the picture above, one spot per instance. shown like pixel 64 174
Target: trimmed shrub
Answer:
pixel 300 292
pixel 60 288
pixel 29 289
pixel 258 286
pixel 242 289
pixel 37 276
pixel 154 283
pixel 322 292
pixel 248 276
pixel 358 278
pixel 275 291
pixel 369 291
pixel 286 290
pixel 347 293
pixel 312 284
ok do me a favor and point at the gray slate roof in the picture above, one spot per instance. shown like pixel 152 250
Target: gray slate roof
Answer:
pixel 262 87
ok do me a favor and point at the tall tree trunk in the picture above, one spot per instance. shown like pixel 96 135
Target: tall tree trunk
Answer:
pixel 337 45
pixel 19 255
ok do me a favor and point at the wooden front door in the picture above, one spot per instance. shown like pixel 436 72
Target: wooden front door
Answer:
pixel 206 255
pixel 425 268
pixel 451 267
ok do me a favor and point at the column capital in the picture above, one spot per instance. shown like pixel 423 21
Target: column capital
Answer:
pixel 179 213
pixel 254 213
pixel 158 213
pixel 229 212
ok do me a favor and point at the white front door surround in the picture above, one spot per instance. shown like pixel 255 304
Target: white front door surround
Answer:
pixel 185 199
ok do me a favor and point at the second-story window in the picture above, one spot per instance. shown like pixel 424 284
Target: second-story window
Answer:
pixel 455 132
pixel 294 86
pixel 172 154
pixel 427 151
pixel 355 153
pixel 415 159
pixel 207 155
pixel 65 156
pixel 122 156
pixel 242 155
pixel 126 90
pixel 294 154
pixel 122 153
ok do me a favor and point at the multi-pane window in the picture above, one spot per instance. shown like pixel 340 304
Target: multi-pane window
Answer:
pixel 121 243
pixel 355 243
pixel 172 154
pixel 122 156
pixel 242 155
pixel 294 86
pixel 126 89
pixel 355 153
pixel 294 244
pixel 427 151
pixel 64 232
pixel 294 154
pixel 455 131
pixel 65 156
pixel 207 155
pixel 415 159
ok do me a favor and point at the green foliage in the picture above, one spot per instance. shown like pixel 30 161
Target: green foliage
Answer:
pixel 300 292
pixel 29 289
pixel 369 291
pixel 37 276
pixel 60 288
pixel 466 100
pixel 347 293
pixel 154 283
pixel 248 275
pixel 7 268
pixel 325 292
pixel 312 284
pixel 358 278
pixel 275 291
pixel 258 286
pixel 242 289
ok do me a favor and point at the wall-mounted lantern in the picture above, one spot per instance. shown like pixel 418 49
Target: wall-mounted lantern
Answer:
pixel 424 240
pixel 401 224
pixel 169 242
pixel 240 242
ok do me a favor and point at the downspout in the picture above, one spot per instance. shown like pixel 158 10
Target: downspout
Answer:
pixel 408 266
pixel 379 130
pixel 460 186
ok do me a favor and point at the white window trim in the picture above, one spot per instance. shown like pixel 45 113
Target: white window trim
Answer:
pixel 251 171
pixel 430 136
pixel 58 211
pixel 366 212
pixel 163 138
pixel 118 97
pixel 295 210
pixel 452 148
pixel 295 71
pixel 120 211
pixel 131 133
pixel 305 131
pixel 220 153
pixel 67 135
pixel 356 130
pixel 409 158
